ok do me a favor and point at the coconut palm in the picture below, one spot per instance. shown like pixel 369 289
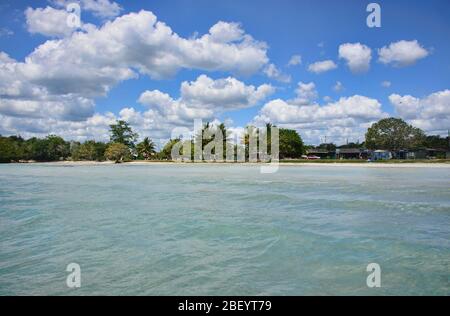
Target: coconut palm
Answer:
pixel 146 148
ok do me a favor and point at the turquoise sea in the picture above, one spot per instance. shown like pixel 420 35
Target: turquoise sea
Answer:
pixel 223 230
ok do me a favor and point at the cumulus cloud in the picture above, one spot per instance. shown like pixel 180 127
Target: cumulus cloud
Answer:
pixel 49 22
pixel 306 93
pixel 322 66
pixel 430 113
pixel 295 60
pixel 402 53
pixel 61 78
pixel 346 118
pixel 205 97
pixel 357 56
pixel 228 93
pixel 273 72
pixel 104 9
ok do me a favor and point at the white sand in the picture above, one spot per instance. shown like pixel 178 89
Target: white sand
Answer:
pixel 282 164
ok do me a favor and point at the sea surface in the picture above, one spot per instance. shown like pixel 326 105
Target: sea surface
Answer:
pixel 223 230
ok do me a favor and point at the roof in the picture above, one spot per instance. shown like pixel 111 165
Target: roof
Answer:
pixel 318 151
pixel 348 150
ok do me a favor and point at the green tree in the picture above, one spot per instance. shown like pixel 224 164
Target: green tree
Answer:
pixel 57 148
pixel 394 134
pixel 89 150
pixel 118 152
pixel 51 148
pixel 437 142
pixel 208 135
pixel 11 148
pixel 291 144
pixel 146 148
pixel 122 133
pixel 166 152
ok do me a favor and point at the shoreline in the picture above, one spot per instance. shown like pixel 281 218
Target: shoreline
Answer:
pixel 284 163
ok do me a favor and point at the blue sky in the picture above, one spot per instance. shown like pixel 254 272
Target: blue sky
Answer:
pixel 416 90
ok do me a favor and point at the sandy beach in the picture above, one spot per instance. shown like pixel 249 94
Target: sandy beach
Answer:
pixel 282 164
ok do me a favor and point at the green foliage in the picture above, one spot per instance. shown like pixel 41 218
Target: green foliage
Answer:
pixel 166 152
pixel 437 142
pixel 90 150
pixel 209 134
pixel 51 148
pixel 122 133
pixel 11 148
pixel 291 144
pixel 118 152
pixel 146 149
pixel 394 134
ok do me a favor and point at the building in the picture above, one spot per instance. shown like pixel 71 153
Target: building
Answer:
pixel 381 155
pixel 322 153
pixel 416 154
pixel 349 153
pixel 420 153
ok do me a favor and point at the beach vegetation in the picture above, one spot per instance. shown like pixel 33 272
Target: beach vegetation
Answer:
pixel 118 152
pixel 122 133
pixel 394 134
pixel 146 149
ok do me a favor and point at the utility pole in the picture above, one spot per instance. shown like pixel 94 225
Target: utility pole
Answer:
pixel 325 139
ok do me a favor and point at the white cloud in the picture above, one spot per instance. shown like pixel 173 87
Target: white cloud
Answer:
pixel 295 60
pixel 104 9
pixel 402 53
pixel 203 98
pixel 357 55
pixel 431 113
pixel 346 118
pixel 306 93
pixel 67 74
pixel 49 22
pixel 386 84
pixel 322 66
pixel 227 93
pixel 223 32
pixel 338 87
pixel 273 72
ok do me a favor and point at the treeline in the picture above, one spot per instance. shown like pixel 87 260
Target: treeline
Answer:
pixel 123 146
pixel 54 148
pixel 290 142
pixel 394 134
pixel 389 134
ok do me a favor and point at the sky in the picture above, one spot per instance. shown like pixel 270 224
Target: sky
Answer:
pixel 314 66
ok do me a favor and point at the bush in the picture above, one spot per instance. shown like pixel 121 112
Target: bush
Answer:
pixel 118 152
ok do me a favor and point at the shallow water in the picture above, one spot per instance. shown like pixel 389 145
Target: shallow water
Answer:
pixel 223 230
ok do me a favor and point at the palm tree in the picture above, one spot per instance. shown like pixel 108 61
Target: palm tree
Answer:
pixel 146 148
